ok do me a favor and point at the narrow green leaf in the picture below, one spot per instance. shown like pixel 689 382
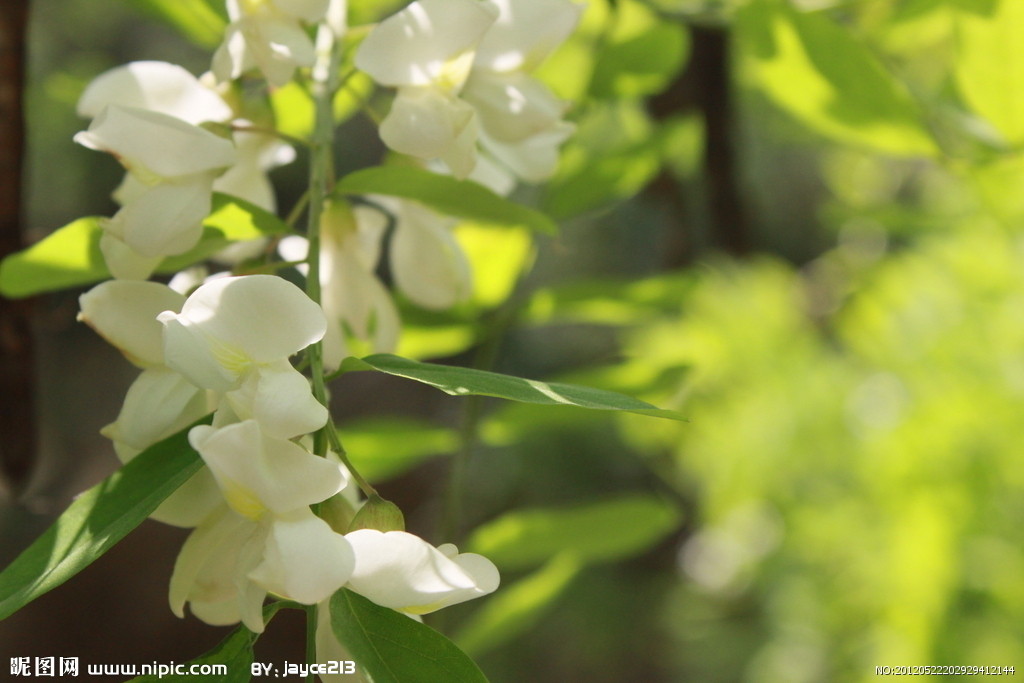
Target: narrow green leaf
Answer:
pixel 469 382
pixel 97 520
pixel 822 74
pixel 594 532
pixel 392 648
pixel 459 198
pixel 197 20
pixel 990 63
pixel 516 608
pixel 71 257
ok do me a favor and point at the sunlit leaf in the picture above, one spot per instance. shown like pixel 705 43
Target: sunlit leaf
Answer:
pixel 990 63
pixel 458 381
pixel 592 532
pixel 497 257
pixel 516 608
pixel 459 198
pixel 294 110
pixel 822 74
pixel 384 447
pixel 641 56
pixel 392 648
pixel 201 21
pixel 97 520
pixel 70 256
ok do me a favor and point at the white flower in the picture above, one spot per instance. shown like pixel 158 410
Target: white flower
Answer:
pixel 229 563
pixel 234 336
pixel 260 474
pixel 154 86
pixel 169 89
pixel 520 119
pixel 160 402
pixel 173 164
pixel 354 300
pixel 267 35
pixel 428 264
pixel 257 153
pixel 426 51
pixel 399 570
pixel 266 538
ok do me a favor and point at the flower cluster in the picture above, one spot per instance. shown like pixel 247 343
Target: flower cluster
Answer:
pixel 225 348
pixel 461 69
pixel 220 351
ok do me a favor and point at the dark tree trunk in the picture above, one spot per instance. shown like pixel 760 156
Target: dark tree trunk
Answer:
pixel 705 86
pixel 17 419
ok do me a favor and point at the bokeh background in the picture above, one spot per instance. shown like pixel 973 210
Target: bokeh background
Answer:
pixel 797 223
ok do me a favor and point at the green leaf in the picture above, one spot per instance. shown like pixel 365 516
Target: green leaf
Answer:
pixel 458 381
pixel 823 75
pixel 97 520
pixel 392 648
pixel 642 56
pixel 71 257
pixel 382 447
pixel 197 20
pixel 515 609
pixel 459 198
pixel 990 63
pixel 234 652
pixel 593 532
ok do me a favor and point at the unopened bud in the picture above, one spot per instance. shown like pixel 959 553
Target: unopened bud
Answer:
pixel 379 514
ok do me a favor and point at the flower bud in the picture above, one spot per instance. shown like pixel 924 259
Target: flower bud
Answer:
pixel 379 514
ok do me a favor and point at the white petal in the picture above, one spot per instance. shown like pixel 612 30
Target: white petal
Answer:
pixel 526 32
pixel 155 86
pixel 232 58
pixel 262 317
pixel 534 159
pixel 276 47
pixel 188 351
pixel 426 123
pixel 192 503
pixel 166 219
pixel 224 613
pixel 124 313
pixel 513 107
pixel 159 403
pixel 304 559
pixel 461 156
pixel 279 397
pixel 429 265
pixel 402 571
pixel 493 176
pixel 418 45
pixel 153 143
pixel 247 178
pixel 258 473
pixel 353 298
pixel 205 570
pixel 122 261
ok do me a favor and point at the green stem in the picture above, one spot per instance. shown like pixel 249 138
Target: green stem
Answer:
pixel 321 179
